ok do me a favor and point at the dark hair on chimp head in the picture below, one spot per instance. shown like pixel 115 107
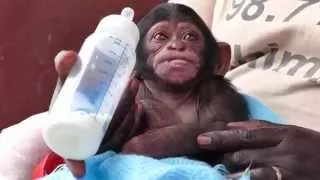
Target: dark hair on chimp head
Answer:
pixel 172 11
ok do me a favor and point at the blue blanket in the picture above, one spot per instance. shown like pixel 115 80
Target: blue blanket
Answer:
pixel 112 166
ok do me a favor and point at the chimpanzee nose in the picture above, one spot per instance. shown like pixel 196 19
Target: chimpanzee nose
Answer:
pixel 176 44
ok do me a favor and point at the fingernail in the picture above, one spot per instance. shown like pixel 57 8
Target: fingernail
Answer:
pixel 204 140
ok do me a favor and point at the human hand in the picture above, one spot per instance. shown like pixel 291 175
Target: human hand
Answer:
pixel 63 63
pixel 22 146
pixel 126 119
pixel 18 158
pixel 273 151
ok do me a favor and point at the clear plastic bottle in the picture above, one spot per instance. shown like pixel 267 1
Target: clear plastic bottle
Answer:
pixel 83 109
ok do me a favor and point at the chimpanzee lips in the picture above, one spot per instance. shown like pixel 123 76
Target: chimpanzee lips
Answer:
pixel 178 62
pixel 178 59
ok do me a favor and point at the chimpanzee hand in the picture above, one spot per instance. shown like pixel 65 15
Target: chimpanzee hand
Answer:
pixel 274 151
pixel 167 135
pixel 126 120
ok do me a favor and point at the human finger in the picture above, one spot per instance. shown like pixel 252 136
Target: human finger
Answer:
pixel 64 62
pixel 252 124
pixel 233 139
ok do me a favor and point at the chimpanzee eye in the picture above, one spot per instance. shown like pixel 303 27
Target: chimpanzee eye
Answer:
pixel 160 36
pixel 190 36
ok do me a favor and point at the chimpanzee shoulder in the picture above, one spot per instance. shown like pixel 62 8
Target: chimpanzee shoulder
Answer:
pixel 222 100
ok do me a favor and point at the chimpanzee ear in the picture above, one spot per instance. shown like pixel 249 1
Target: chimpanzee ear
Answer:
pixel 225 58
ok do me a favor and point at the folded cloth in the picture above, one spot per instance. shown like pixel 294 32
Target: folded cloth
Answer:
pixel 113 166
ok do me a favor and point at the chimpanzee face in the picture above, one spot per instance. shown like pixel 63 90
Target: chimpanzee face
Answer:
pixel 174 50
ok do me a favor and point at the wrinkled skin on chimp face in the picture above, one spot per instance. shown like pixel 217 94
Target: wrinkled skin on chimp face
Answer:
pixel 175 51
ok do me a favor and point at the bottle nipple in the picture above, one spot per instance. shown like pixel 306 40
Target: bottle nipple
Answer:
pixel 128 13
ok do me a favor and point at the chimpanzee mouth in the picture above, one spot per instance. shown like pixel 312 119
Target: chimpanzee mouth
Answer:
pixel 178 62
pixel 177 58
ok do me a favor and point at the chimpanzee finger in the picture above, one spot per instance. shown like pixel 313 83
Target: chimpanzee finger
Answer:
pixel 234 139
pixel 168 141
pixel 132 125
pixel 115 138
pixel 139 125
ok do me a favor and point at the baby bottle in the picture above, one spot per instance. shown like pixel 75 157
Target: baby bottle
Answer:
pixel 82 112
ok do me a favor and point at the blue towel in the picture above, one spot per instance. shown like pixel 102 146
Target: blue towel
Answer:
pixel 112 166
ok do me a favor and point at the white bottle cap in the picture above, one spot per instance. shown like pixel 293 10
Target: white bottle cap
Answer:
pixel 121 25
pixel 128 13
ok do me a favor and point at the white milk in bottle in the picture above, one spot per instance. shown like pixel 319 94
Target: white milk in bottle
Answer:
pixel 83 109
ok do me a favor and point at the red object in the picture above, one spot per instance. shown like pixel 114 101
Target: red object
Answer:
pixel 46 165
